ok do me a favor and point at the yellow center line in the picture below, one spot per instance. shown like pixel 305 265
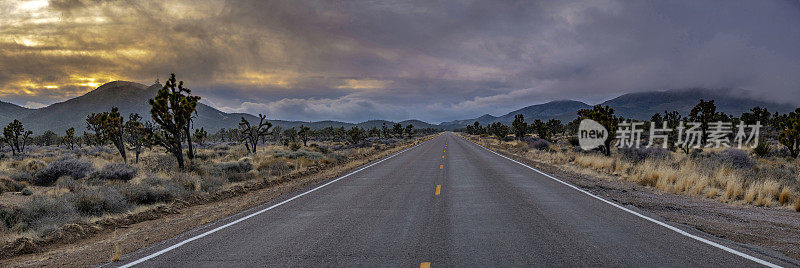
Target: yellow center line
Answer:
pixel 441 166
pixel 425 265
pixel 438 189
pixel 443 156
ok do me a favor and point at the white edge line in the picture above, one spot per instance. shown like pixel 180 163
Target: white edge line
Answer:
pixel 130 264
pixel 677 230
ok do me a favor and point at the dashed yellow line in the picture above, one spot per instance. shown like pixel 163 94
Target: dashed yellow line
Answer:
pixel 425 265
pixel 443 156
pixel 441 166
pixel 438 189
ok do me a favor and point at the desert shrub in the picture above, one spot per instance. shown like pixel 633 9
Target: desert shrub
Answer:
pixel 325 150
pixel 98 201
pixel 10 185
pixel 30 166
pixel 8 216
pixel 736 158
pixel 298 154
pixel 205 155
pixel 46 213
pixel 240 166
pixel 92 151
pixel 212 183
pixel 68 183
pixel 294 146
pixel 116 171
pixel 782 151
pixel 21 176
pixel 279 168
pixel 638 155
pixel 26 191
pixel 65 166
pixel 152 190
pixel 540 144
pixel 762 149
pixel 159 162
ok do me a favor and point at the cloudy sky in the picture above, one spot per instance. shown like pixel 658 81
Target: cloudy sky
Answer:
pixel 429 60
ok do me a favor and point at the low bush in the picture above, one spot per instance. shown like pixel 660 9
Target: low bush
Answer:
pixel 69 183
pixel 46 213
pixel 540 144
pixel 151 191
pixel 736 158
pixel 26 191
pixel 116 171
pixel 98 201
pixel 298 154
pixel 279 168
pixel 21 176
pixel 9 185
pixel 65 166
pixel 638 155
pixel 240 166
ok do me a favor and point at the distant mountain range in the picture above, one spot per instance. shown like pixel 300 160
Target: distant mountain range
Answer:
pixel 131 97
pixel 641 105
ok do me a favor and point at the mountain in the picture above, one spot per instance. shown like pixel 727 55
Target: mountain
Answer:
pixel 643 105
pixel 131 97
pixel 10 111
pixel 640 105
pixel 563 110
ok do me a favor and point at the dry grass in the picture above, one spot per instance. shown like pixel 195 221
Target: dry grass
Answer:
pixel 784 197
pixel 680 173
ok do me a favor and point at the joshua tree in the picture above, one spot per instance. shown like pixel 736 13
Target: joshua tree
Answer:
pixel 137 134
pixel 291 134
pixel 356 135
pixel 519 126
pixel 109 126
pixel 790 133
pixel 499 130
pixel 172 110
pixel 48 138
pixel 69 138
pixel 605 116
pixel 375 132
pixel 704 112
pixel 409 130
pixel 398 130
pixel 276 133
pixel 200 136
pixel 303 133
pixel 251 134
pixel 385 131
pixel 541 129
pixel 757 114
pixel 16 137
pixel 555 127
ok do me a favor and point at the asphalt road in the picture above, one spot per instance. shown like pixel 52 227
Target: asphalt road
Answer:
pixel 471 207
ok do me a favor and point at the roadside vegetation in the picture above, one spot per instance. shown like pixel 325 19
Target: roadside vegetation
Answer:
pixel 54 188
pixel 766 175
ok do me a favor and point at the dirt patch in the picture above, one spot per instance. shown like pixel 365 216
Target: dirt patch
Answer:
pixel 80 245
pixel 770 227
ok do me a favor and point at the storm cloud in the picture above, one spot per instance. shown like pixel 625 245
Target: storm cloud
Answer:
pixel 429 60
